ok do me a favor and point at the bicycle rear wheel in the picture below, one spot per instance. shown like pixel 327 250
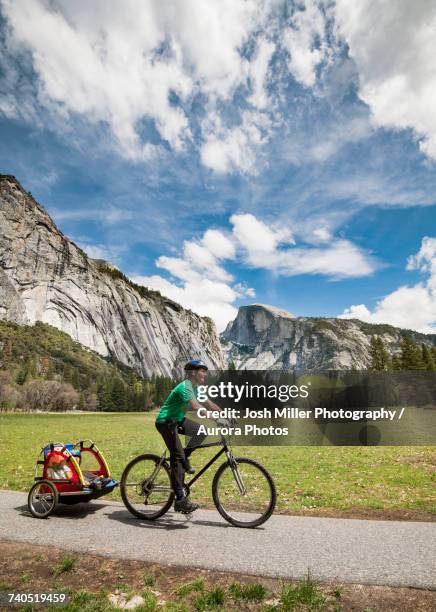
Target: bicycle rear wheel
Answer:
pixel 244 492
pixel 146 487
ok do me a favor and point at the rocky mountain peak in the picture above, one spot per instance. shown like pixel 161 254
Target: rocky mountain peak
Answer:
pixel 276 312
pixel 11 188
pixel 263 337
pixel 257 323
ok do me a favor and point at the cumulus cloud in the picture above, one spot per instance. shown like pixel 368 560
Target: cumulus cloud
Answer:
pixel 257 238
pixel 199 280
pixel 266 247
pixel 218 244
pixel 394 45
pixel 205 297
pixel 407 307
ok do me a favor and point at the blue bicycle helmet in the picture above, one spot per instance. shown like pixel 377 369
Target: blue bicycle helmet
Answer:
pixel 196 364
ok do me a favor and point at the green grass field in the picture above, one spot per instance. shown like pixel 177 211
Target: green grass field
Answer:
pixel 307 478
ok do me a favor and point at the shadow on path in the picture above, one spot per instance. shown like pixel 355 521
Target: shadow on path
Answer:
pixel 68 511
pixel 169 523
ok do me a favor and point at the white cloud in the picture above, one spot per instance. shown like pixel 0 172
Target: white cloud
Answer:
pixel 199 281
pixel 257 238
pixel 122 64
pixel 305 42
pixel 95 251
pixel 322 234
pixel 262 247
pixel 118 63
pixel 109 215
pixel 337 135
pixel 217 243
pixel 425 260
pixel 131 65
pixel 227 149
pixel 259 71
pixel 394 46
pixel 244 291
pixel 205 261
pixel 408 307
pixel 179 268
pixel 205 297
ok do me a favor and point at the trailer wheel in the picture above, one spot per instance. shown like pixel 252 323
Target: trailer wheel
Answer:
pixel 43 499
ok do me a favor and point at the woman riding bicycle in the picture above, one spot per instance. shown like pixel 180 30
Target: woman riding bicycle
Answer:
pixel 171 422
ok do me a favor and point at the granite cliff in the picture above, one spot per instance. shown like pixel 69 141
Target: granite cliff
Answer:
pixel 45 277
pixel 263 337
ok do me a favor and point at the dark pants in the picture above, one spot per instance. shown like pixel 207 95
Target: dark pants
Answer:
pixel 170 430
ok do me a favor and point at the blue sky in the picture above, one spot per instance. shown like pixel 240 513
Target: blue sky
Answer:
pixel 234 152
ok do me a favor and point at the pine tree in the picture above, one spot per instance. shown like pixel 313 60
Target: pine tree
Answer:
pixel 118 395
pixel 411 358
pixel 380 359
pixel 427 358
pixel 31 367
pixel 396 362
pixel 68 373
pixel 104 400
pixel 22 375
pixel 146 396
pixel 75 379
pixel 82 402
pixel 7 352
pixel 232 366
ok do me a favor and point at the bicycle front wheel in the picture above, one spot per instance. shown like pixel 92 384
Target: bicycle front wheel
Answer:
pixel 146 487
pixel 244 492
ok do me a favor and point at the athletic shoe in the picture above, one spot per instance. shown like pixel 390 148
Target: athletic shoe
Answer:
pixel 185 505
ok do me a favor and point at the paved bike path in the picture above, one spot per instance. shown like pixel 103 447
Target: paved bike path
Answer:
pixel 346 550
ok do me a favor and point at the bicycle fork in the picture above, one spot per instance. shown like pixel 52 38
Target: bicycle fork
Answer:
pixel 236 473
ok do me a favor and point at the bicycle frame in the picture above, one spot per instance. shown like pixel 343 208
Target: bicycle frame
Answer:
pixel 225 449
pixel 210 462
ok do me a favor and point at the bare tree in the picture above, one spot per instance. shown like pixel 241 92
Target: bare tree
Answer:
pixel 10 396
pixel 66 398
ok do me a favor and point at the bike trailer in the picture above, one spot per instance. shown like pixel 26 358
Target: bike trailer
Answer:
pixel 68 474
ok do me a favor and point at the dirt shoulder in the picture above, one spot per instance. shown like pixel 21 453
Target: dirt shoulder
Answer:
pixel 35 568
pixel 370 514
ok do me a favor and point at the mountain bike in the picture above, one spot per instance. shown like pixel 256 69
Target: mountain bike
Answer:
pixel 242 489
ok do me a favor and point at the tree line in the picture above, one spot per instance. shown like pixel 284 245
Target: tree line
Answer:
pixel 42 368
pixel 411 356
pixel 49 392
